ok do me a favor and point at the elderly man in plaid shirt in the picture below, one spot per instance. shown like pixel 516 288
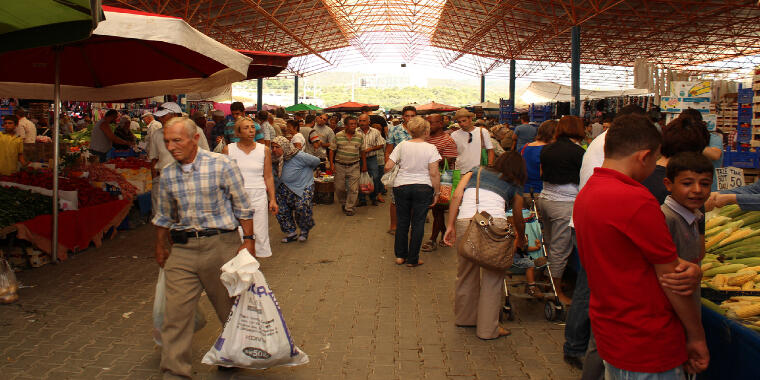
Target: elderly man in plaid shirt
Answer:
pixel 201 203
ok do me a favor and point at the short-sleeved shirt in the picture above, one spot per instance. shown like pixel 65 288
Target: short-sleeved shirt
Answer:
pixel 372 139
pixel 347 151
pixel 561 162
pixel 326 135
pixel 683 225
pixel 10 147
pixel 446 146
pixel 525 133
pixel 157 148
pixel 413 159
pixel 621 235
pixel 716 141
pixel 30 130
pixel 468 149
pixel 398 134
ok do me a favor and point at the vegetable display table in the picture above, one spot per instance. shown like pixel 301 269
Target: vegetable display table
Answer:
pixel 77 228
pixel 734 349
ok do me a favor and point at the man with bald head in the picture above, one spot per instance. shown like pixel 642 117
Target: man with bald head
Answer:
pixel 201 203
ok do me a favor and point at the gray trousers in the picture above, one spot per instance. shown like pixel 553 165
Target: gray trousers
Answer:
pixel 347 184
pixel 557 233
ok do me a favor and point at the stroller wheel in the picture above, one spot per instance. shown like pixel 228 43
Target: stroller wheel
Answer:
pixel 550 311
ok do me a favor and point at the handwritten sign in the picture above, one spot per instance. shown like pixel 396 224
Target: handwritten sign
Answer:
pixel 729 178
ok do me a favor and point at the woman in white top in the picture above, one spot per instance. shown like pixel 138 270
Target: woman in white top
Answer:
pixel 416 188
pixel 255 163
pixel 478 294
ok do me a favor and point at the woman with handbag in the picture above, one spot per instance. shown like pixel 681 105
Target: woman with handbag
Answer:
pixel 415 189
pixel 485 240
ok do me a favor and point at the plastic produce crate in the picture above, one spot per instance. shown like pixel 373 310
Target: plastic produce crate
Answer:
pixel 746 160
pixel 745 95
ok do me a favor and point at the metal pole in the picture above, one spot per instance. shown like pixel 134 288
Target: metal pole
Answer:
pixel 56 150
pixel 259 94
pixel 512 75
pixel 295 84
pixel 482 88
pixel 575 70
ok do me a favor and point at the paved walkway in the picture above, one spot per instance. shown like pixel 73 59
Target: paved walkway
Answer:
pixel 356 314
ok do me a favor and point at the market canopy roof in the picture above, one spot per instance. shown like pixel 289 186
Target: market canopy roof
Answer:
pixel 558 92
pixel 486 106
pixel 265 64
pixel 434 107
pixel 350 107
pixel 680 34
pixel 302 107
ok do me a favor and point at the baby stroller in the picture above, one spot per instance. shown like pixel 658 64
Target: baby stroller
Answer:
pixel 553 309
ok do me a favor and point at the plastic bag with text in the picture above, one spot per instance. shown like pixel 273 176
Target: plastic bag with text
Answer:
pixel 255 334
pixel 366 185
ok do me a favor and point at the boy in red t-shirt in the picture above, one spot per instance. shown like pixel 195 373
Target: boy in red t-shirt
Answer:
pixel 640 327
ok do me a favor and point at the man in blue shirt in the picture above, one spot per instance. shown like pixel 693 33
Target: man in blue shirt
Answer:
pixel 524 133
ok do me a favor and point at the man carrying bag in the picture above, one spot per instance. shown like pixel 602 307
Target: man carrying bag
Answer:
pixel 201 202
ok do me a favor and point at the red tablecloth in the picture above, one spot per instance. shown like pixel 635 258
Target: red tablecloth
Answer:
pixel 76 228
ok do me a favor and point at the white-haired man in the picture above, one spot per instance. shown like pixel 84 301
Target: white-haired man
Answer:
pixel 201 203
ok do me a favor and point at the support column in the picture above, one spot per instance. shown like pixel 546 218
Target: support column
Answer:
pixel 295 91
pixel 259 94
pixel 482 88
pixel 512 75
pixel 575 71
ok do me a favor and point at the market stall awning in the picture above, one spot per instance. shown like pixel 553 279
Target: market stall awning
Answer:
pixel 265 64
pixel 486 106
pixel 34 23
pixel 434 107
pixel 302 107
pixel 550 91
pixel 351 107
pixel 130 55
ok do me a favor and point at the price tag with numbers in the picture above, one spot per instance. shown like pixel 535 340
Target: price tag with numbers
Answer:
pixel 729 178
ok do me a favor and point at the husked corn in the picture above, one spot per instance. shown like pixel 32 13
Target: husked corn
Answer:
pixel 748 311
pixel 741 279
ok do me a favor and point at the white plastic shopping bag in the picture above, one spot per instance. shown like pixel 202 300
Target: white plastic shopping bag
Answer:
pixel 255 334
pixel 159 308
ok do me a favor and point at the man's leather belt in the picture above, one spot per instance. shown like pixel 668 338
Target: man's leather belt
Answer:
pixel 181 236
pixel 341 163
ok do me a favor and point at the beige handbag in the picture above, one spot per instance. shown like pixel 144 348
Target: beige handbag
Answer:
pixel 484 243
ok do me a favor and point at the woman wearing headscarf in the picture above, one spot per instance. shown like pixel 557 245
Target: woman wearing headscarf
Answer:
pixel 294 179
pixel 123 132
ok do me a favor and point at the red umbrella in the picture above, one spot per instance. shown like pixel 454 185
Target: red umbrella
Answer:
pixel 130 55
pixel 265 64
pixel 435 107
pixel 350 107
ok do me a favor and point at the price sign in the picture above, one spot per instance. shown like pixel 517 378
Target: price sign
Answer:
pixel 729 178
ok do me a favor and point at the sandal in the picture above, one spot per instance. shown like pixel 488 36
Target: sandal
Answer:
pixel 303 237
pixel 400 261
pixel 500 333
pixel 429 246
pixel 288 239
pixel 419 262
pixel 442 244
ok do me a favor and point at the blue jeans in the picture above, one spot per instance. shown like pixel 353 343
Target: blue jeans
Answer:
pixel 412 203
pixel 578 325
pixel 613 373
pixel 374 172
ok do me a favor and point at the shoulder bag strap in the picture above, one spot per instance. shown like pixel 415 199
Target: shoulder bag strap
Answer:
pixel 477 191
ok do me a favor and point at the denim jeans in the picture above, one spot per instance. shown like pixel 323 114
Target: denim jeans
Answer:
pixel 412 203
pixel 374 172
pixel 613 373
pixel 578 326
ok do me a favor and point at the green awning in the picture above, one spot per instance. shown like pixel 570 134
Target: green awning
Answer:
pixel 26 24
pixel 302 107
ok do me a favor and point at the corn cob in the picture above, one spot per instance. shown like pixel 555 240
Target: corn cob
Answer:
pixel 716 221
pixel 741 279
pixel 751 217
pixel 715 240
pixel 749 261
pixel 707 266
pixel 730 288
pixel 746 298
pixel 749 285
pixel 748 311
pixel 725 210
pixel 738 235
pixel 728 268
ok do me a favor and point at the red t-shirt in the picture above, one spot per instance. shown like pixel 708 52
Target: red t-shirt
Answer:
pixel 447 148
pixel 621 234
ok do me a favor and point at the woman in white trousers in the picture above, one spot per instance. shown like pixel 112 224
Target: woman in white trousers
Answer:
pixel 255 163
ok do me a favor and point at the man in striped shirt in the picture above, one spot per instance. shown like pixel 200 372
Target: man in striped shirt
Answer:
pixel 374 143
pixel 345 154
pixel 447 148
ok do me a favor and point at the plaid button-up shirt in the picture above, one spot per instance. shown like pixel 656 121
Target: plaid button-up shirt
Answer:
pixel 210 195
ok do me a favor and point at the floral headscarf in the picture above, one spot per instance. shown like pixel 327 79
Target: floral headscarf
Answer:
pixel 288 151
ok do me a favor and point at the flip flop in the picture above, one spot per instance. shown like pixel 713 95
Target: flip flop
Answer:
pixel 400 261
pixel 410 265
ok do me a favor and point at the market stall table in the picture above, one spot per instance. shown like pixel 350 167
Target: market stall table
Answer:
pixel 734 349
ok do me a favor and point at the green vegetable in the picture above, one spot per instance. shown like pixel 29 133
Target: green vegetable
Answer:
pixel 20 205
pixel 727 268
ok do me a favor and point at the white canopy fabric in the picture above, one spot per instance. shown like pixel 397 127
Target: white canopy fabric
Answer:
pixel 557 92
pixel 125 48
pixel 487 105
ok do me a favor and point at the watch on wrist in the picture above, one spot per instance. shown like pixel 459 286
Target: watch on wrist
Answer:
pixel 249 237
